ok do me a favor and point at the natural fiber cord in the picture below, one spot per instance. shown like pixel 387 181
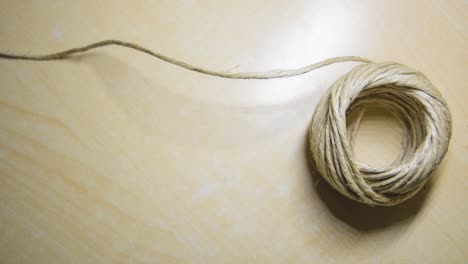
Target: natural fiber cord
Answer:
pixel 411 97
pixel 405 92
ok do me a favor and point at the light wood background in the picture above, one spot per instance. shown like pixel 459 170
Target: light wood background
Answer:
pixel 115 157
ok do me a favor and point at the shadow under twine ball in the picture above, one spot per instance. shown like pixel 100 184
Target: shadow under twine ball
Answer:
pixel 413 100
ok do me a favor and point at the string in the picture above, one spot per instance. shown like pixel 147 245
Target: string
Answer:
pixel 405 92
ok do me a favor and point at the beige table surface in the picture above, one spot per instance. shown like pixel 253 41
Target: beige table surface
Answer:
pixel 115 157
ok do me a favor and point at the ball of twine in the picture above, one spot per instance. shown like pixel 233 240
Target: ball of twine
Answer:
pixel 407 93
pixel 410 97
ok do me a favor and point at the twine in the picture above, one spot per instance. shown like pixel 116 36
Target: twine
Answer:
pixel 405 92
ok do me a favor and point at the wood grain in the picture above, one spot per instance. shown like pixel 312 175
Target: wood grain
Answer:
pixel 114 157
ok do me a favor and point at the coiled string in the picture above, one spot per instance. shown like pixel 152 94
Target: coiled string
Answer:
pixel 405 92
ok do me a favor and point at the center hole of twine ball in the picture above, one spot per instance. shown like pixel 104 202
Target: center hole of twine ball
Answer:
pixel 378 135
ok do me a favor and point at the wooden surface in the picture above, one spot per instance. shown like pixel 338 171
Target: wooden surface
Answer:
pixel 115 157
